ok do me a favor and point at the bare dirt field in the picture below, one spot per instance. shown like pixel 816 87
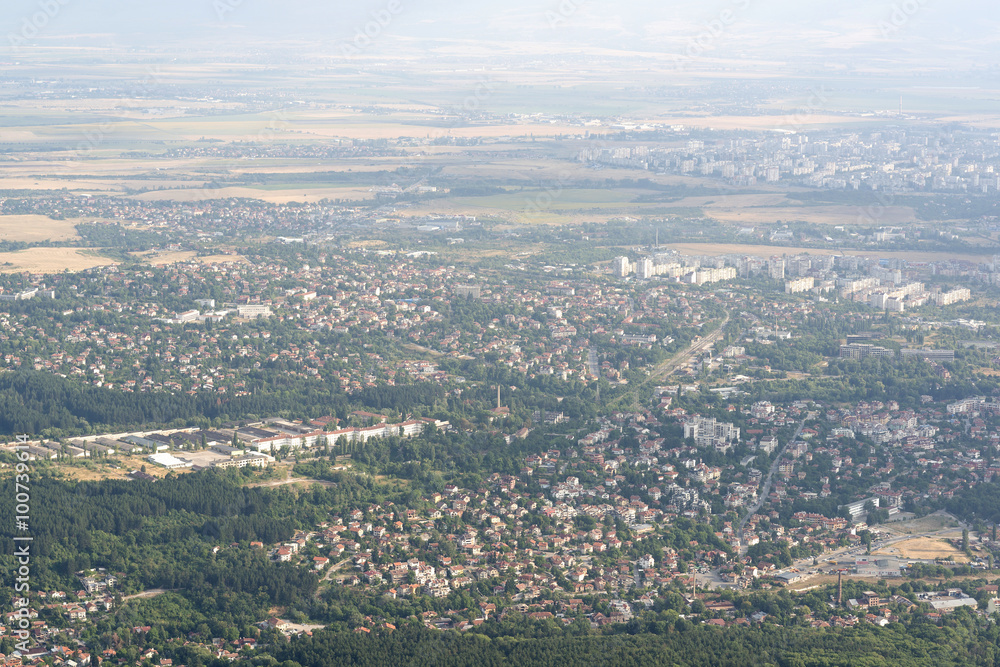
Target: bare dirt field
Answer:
pixel 928 524
pixel 222 259
pixel 100 469
pixel 31 228
pixel 151 593
pixel 924 548
pixel 174 257
pixel 423 350
pixel 51 260
pixel 824 580
pixel 96 473
pixel 163 258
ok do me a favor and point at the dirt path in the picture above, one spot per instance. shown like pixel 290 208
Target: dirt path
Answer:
pixel 151 593
pixel 328 577
pixel 294 480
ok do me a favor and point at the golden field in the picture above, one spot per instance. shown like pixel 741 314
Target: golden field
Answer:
pixel 51 260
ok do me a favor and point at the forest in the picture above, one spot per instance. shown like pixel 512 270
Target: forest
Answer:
pixel 34 402
pixel 161 535
pixel 962 643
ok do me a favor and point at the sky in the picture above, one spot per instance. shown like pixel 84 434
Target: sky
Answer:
pixel 931 30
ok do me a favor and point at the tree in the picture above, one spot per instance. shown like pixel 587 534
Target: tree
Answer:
pixel 866 537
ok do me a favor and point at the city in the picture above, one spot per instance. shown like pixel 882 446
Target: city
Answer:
pixel 579 334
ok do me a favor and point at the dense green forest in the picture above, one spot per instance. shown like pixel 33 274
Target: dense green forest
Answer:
pixel 35 402
pixel 960 644
pixel 980 502
pixel 161 535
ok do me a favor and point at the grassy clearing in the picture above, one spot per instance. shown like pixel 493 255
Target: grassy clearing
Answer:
pixel 928 524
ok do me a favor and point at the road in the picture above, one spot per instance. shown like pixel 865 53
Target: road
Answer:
pixel 331 571
pixel 766 488
pixel 804 564
pixel 876 546
pixel 711 579
pixel 667 367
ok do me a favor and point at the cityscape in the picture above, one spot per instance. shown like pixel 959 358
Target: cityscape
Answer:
pixel 376 334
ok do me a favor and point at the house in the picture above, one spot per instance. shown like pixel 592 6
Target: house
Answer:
pixel 76 613
pixel 870 599
pixel 276 624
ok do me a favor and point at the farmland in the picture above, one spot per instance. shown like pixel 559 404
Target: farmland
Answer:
pixel 31 228
pixel 51 260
